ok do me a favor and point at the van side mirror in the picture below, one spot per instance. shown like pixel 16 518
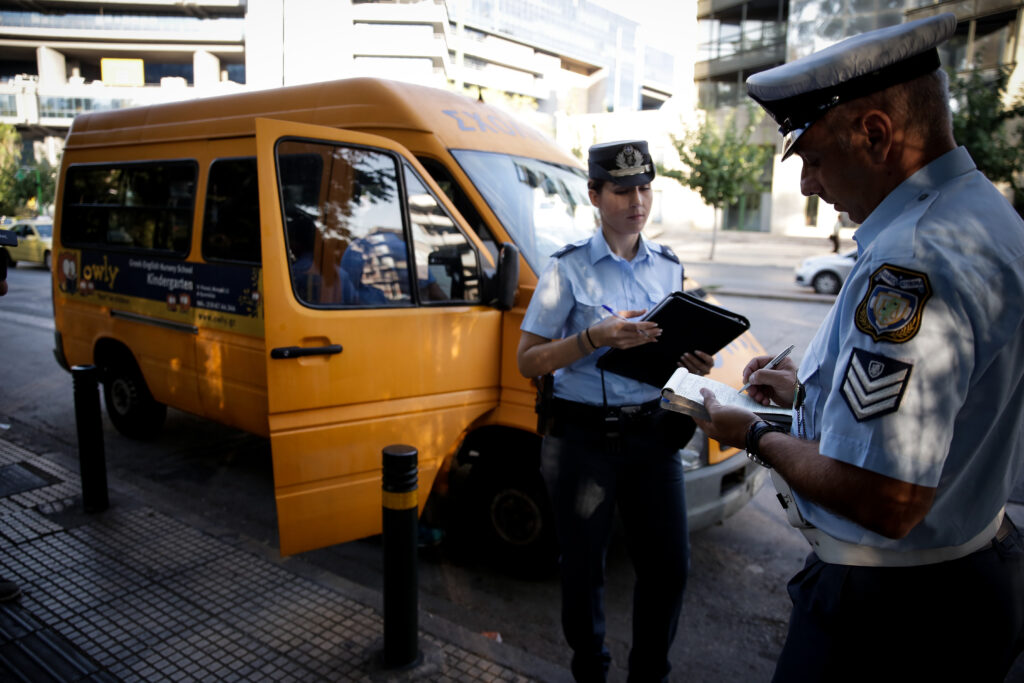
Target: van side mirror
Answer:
pixel 506 280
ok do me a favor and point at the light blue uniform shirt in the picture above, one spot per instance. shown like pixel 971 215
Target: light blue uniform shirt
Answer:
pixel 917 372
pixel 570 293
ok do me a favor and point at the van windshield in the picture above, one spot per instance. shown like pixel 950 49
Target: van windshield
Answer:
pixel 543 206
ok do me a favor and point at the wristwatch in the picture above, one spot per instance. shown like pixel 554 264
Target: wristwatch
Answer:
pixel 754 433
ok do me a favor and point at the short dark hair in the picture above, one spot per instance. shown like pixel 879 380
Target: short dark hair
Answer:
pixel 595 184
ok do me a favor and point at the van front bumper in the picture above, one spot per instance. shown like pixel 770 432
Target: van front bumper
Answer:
pixel 715 492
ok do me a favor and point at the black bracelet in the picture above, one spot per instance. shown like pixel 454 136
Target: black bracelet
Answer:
pixel 755 431
pixel 587 330
pixel 582 345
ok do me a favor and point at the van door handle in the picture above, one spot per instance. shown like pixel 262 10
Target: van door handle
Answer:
pixel 296 351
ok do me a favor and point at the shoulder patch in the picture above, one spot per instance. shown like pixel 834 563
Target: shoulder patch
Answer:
pixel 892 307
pixel 666 252
pixel 873 384
pixel 569 247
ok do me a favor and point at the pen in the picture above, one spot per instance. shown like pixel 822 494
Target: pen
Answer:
pixel 772 363
pixel 612 311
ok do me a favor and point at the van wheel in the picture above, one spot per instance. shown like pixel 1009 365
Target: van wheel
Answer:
pixel 132 409
pixel 515 518
pixel 48 261
pixel 10 261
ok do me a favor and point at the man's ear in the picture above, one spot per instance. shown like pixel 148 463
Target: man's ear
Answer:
pixel 877 128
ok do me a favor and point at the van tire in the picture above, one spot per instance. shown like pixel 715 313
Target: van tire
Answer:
pixel 514 517
pixel 130 406
pixel 10 261
pixel 48 261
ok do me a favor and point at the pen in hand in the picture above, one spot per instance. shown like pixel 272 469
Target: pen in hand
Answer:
pixel 772 363
pixel 612 311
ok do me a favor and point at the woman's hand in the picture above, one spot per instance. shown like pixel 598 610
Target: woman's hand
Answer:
pixel 624 334
pixel 698 362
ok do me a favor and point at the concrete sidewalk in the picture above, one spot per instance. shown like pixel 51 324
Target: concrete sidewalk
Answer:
pixel 742 247
pixel 136 594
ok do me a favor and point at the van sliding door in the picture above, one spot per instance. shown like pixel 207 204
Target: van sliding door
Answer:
pixel 375 333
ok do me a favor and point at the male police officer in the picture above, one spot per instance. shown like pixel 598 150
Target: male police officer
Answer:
pixel 908 405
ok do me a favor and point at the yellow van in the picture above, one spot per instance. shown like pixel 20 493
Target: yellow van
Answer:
pixel 339 267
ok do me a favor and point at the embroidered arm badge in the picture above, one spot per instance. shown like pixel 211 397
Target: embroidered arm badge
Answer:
pixel 873 384
pixel 892 307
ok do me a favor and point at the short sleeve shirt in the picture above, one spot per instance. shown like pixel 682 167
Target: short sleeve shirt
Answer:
pixel 917 372
pixel 573 288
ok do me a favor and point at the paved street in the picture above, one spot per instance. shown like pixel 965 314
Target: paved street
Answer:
pixel 174 580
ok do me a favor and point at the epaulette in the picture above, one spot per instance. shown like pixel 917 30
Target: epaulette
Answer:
pixel 666 252
pixel 569 247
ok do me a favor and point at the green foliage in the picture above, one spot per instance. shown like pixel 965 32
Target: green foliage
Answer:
pixel 990 130
pixel 23 188
pixel 722 165
pixel 10 158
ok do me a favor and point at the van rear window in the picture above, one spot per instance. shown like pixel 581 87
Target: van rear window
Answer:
pixel 144 206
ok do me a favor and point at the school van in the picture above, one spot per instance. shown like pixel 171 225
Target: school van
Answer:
pixel 338 267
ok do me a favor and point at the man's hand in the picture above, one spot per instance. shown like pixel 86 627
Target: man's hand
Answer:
pixel 775 385
pixel 728 424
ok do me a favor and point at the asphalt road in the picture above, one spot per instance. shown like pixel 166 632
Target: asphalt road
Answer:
pixel 735 610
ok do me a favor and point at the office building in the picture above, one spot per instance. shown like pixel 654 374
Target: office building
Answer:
pixel 742 37
pixel 59 58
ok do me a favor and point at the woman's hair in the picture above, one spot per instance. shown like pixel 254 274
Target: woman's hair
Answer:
pixel 595 185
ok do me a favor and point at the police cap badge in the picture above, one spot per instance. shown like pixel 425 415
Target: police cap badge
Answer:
pixel 798 93
pixel 626 162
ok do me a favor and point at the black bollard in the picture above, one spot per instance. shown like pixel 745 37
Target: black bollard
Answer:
pixel 91 457
pixel 400 526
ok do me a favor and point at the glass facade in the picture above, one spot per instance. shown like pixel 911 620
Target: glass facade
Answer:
pixel 580 31
pixel 738 40
pixel 216 28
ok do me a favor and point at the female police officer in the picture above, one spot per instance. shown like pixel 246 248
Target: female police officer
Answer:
pixel 608 442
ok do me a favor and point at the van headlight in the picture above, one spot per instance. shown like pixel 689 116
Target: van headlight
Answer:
pixel 695 452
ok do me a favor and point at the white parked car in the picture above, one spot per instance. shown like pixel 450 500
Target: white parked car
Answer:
pixel 826 273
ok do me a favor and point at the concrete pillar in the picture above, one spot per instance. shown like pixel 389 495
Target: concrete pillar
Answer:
pixel 317 41
pixel 52 66
pixel 264 44
pixel 205 69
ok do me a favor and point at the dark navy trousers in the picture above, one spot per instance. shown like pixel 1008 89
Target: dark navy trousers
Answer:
pixel 588 474
pixel 961 620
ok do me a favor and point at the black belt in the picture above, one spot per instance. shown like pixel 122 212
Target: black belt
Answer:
pixel 586 413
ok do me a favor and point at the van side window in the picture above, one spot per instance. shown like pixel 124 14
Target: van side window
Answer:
pixel 139 206
pixel 443 177
pixel 343 225
pixel 231 220
pixel 447 266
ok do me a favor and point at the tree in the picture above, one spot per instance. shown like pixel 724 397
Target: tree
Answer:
pixel 10 158
pixel 29 187
pixel 722 164
pixel 990 129
pixel 35 186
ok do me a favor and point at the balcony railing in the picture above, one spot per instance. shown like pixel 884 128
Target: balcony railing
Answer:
pixel 22 102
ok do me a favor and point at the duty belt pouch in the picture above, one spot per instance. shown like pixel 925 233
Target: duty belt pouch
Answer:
pixel 545 391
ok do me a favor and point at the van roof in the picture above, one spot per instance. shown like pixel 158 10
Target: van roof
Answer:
pixel 366 104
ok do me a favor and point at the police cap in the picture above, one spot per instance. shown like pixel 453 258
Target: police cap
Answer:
pixel 798 93
pixel 626 162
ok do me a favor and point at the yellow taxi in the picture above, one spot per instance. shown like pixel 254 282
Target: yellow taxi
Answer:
pixel 35 242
